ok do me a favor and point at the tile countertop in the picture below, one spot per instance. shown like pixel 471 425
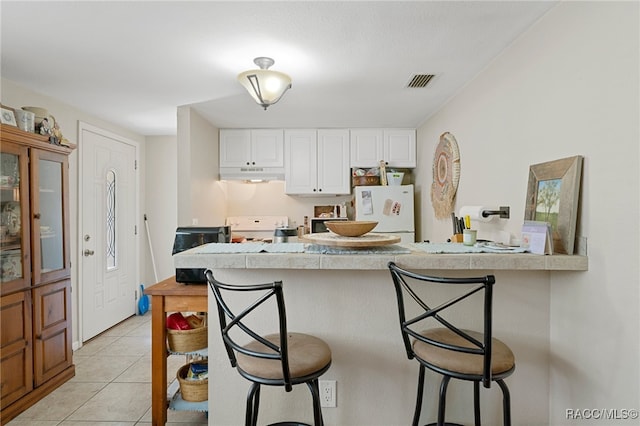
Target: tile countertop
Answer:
pixel 414 259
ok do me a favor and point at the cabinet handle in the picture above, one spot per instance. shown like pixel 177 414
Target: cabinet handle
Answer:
pixel 247 163
pixel 320 190
pixel 88 252
pixel 36 215
pixel 314 190
pixel 253 163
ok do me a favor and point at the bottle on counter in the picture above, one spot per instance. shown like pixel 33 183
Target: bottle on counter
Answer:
pixel 305 222
pixel 343 210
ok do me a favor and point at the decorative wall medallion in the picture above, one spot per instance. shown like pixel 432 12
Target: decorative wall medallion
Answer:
pixel 446 175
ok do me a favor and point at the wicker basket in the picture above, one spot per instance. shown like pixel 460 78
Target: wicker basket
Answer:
pixel 187 340
pixel 192 390
pixel 366 180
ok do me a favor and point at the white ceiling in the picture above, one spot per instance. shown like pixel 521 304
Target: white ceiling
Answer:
pixel 134 63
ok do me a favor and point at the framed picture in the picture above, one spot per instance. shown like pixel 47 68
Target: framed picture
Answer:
pixel 7 117
pixel 552 196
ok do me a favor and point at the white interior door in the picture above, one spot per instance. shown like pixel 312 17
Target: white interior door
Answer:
pixel 108 230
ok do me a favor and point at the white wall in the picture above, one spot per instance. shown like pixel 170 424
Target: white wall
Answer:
pixel 200 196
pixel 569 86
pixel 68 117
pixel 162 206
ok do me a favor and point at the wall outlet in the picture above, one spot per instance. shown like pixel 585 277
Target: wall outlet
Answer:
pixel 327 393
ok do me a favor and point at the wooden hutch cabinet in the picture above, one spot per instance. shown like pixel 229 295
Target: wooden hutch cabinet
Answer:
pixel 35 288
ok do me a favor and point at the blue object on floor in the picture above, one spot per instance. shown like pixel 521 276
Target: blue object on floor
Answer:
pixel 143 301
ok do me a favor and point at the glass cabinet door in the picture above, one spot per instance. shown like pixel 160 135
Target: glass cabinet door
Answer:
pixel 15 266
pixel 51 251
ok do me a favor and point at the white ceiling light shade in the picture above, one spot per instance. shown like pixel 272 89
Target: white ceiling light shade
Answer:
pixel 266 87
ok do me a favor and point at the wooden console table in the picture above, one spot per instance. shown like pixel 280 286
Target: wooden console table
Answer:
pixel 167 296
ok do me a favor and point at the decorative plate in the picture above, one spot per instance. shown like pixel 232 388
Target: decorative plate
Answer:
pixel 366 240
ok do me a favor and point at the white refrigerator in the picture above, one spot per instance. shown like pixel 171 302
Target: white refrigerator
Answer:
pixel 390 206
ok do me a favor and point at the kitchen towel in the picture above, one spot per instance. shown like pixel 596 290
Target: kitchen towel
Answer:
pixel 227 248
pixel 231 248
pixel 179 404
pixel 284 248
pixel 435 248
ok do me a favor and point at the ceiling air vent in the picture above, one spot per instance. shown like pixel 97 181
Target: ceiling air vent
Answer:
pixel 420 80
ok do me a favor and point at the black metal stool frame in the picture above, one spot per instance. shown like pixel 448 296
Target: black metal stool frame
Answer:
pixel 228 320
pixel 484 348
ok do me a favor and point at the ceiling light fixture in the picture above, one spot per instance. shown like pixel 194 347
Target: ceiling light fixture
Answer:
pixel 264 85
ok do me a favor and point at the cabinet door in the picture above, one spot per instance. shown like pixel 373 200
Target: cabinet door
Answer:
pixel 15 257
pixel 400 147
pixel 52 352
pixel 235 148
pixel 50 216
pixel 244 147
pixel 366 147
pixel 300 162
pixel 16 375
pixel 267 148
pixel 333 162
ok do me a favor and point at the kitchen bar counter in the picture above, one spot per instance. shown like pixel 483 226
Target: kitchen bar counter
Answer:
pixel 414 260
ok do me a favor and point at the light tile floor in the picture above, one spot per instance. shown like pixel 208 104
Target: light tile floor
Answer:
pixel 112 385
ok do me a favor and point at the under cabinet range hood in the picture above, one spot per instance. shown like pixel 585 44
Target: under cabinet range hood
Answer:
pixel 252 173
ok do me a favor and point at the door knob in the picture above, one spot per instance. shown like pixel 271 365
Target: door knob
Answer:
pixel 88 252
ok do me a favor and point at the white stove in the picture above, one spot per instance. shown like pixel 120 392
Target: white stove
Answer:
pixel 256 228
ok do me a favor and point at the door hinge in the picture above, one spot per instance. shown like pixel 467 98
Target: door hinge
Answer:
pixel 135 229
pixel 135 164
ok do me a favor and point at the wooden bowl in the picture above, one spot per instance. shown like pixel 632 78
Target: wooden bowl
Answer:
pixel 350 228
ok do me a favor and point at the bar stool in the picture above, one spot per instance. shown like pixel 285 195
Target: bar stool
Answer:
pixel 280 359
pixel 447 349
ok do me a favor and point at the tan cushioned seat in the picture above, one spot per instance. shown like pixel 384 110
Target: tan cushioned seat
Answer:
pixel 307 354
pixel 502 358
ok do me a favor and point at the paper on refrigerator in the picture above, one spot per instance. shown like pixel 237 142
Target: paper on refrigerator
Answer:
pixel 367 204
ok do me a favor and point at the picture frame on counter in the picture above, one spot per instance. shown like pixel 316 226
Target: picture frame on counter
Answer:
pixel 7 116
pixel 553 193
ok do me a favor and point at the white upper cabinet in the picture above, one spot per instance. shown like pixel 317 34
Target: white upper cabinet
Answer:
pixel 317 162
pixel 255 147
pixel 400 147
pixel 366 147
pixel 301 161
pixel 334 174
pixel 397 147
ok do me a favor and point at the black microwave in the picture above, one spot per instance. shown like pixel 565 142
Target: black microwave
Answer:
pixel 317 223
pixel 188 237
